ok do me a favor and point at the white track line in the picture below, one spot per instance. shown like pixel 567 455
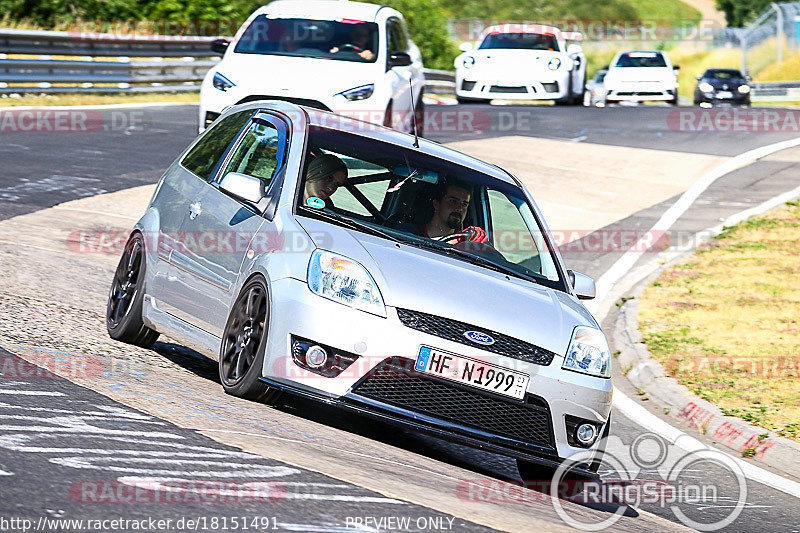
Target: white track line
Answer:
pixel 629 407
pixel 651 422
pixel 624 264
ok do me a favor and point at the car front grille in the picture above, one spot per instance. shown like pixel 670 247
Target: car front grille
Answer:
pixel 395 382
pixel 453 330
pixel 503 89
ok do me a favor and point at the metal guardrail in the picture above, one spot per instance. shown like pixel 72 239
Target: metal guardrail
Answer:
pixel 101 44
pixel 39 75
pixel 782 91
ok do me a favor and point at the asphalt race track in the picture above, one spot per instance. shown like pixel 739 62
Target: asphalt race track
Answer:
pixel 62 442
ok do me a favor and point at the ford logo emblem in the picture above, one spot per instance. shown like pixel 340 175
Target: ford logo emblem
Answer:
pixel 479 338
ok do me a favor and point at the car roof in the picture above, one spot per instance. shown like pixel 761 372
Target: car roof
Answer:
pixel 324 9
pixel 538 29
pixel 317 117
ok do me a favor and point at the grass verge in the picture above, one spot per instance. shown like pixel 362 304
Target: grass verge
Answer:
pixel 727 322
pixel 95 99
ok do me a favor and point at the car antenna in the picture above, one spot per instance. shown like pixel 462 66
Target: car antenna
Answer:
pixel 413 115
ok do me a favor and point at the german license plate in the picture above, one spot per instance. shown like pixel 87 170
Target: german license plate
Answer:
pixel 473 372
pixel 724 94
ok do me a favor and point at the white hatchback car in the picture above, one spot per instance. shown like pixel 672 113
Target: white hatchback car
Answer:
pixel 352 58
pixel 641 76
pixel 522 62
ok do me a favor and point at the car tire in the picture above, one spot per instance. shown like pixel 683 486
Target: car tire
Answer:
pixel 674 100
pixel 244 344
pixel 419 116
pixel 124 307
pixel 569 99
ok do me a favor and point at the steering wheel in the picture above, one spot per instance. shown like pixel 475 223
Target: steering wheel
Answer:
pixel 461 236
pixel 349 48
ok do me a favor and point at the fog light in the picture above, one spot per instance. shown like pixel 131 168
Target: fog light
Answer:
pixel 586 433
pixel 316 356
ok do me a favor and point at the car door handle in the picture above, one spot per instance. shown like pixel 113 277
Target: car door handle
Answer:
pixel 194 210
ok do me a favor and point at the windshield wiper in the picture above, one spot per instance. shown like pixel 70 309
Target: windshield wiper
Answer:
pixel 477 260
pixel 353 224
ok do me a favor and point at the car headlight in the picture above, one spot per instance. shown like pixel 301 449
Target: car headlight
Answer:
pixel 554 64
pixel 588 353
pixel 359 93
pixel 706 87
pixel 468 62
pixel 221 82
pixel 744 89
pixel 343 280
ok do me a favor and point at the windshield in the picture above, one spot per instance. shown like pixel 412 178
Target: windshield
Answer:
pixel 346 40
pixel 405 195
pixel 723 74
pixel 520 41
pixel 641 59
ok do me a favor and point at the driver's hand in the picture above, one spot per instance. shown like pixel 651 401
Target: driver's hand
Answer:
pixel 476 234
pixel 367 54
pixel 334 50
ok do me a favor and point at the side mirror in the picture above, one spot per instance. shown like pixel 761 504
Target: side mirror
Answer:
pixel 574 49
pixel 244 187
pixel 465 47
pixel 676 67
pixel 748 78
pixel 583 285
pixel 698 77
pixel 604 67
pixel 399 59
pixel 219 46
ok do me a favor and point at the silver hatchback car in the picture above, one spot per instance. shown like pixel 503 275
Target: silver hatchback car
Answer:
pixel 342 261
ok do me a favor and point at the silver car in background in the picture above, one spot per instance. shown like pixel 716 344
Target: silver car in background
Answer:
pixel 332 289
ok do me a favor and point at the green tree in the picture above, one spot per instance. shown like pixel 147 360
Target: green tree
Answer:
pixel 427 23
pixel 740 12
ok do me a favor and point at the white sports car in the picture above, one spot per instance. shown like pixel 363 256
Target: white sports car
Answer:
pixel 522 62
pixel 641 76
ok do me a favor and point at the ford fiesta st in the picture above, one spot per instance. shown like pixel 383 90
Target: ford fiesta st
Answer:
pixel 320 256
pixel 522 62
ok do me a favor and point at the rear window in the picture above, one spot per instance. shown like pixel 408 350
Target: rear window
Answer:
pixel 641 59
pixel 520 41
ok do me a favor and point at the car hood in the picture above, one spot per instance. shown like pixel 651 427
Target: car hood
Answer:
pixel 298 77
pixel 732 84
pixel 421 280
pixel 639 74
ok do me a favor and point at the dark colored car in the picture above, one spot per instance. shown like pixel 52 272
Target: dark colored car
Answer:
pixel 722 86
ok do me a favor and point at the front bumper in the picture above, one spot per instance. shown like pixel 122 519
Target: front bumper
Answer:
pixel 635 93
pixel 552 394
pixel 550 87
pixel 714 99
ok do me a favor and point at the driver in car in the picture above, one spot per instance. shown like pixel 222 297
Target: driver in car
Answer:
pixel 450 203
pixel 359 42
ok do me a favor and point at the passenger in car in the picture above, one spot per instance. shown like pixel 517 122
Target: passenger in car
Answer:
pixel 326 173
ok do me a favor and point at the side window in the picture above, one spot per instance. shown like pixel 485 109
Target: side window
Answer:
pixel 396 39
pixel 402 35
pixel 257 153
pixel 203 158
